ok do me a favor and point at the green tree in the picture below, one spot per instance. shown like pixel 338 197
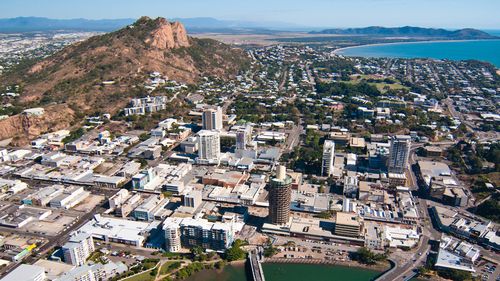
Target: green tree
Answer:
pixel 364 255
pixel 456 275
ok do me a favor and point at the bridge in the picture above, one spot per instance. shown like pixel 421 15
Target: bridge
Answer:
pixel 255 260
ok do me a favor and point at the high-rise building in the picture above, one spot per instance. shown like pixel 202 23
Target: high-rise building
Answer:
pixel 79 247
pixel 190 232
pixel 398 154
pixel 280 193
pixel 209 146
pixel 212 118
pixel 328 156
pixel 171 227
pixel 350 186
pixel 243 137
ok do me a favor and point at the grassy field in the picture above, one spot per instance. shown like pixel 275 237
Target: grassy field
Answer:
pixel 145 276
pixel 169 267
pixel 381 86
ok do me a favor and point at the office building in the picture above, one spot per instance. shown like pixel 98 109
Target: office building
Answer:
pixel 328 156
pixel 212 119
pixel 192 199
pixel 150 207
pixel 79 247
pixel 347 224
pixel 119 230
pixel 209 147
pixel 351 186
pixel 70 197
pixel 280 193
pixel 399 153
pixel 243 137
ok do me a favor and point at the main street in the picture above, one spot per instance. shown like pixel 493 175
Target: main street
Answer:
pixel 55 240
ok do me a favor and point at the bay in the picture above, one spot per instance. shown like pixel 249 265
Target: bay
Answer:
pixel 482 50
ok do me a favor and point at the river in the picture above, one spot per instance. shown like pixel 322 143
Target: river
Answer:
pixel 288 272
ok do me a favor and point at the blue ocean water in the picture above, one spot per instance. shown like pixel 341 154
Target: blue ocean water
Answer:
pixel 482 50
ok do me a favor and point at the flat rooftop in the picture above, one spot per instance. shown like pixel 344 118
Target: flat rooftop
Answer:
pixel 347 219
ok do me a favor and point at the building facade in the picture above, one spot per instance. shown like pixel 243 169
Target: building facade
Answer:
pixel 212 119
pixel 280 193
pixel 328 156
pixel 209 146
pixel 79 247
pixel 243 137
pixel 398 154
pixel 189 233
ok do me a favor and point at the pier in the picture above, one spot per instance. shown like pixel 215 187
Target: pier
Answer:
pixel 255 259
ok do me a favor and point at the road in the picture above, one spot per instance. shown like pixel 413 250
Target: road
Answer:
pixel 56 240
pixel 404 268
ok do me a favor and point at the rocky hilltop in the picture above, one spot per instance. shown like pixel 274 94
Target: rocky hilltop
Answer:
pixel 168 35
pixel 73 78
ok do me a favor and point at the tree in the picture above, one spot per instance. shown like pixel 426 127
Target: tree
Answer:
pixel 197 253
pixel 453 274
pixel 364 255
pixel 235 253
pixel 490 209
pixel 143 136
pixel 324 215
pixel 269 249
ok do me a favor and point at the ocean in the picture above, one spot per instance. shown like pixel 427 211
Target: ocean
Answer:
pixel 482 50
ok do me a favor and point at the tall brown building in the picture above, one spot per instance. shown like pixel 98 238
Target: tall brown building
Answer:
pixel 280 193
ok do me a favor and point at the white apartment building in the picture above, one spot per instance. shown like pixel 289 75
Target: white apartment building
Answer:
pixel 328 156
pixel 79 247
pixel 172 234
pixel 209 147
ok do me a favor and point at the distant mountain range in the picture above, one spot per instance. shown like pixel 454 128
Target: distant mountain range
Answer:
pixel 410 31
pixel 207 24
pixel 200 24
pixel 31 24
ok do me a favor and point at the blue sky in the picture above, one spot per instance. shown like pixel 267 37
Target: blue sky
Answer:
pixel 321 13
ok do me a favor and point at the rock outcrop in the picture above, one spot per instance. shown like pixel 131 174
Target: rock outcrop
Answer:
pixel 168 35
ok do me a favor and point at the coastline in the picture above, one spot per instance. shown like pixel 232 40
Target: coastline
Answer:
pixel 336 51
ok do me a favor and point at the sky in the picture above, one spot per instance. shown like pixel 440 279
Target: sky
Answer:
pixel 483 14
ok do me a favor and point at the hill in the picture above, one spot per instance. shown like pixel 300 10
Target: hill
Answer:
pixel 410 31
pixel 73 76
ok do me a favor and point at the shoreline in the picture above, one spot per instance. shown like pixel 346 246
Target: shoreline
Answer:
pixel 336 51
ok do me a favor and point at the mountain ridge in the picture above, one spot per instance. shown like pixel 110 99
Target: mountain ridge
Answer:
pixel 195 24
pixel 410 31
